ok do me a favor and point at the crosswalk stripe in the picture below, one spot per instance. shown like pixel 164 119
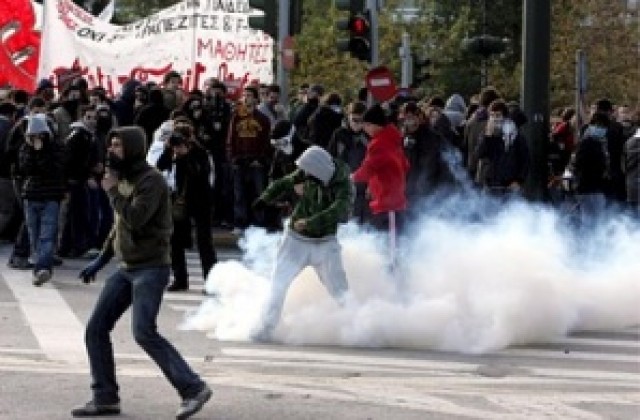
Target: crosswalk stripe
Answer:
pixel 570 355
pixel 61 337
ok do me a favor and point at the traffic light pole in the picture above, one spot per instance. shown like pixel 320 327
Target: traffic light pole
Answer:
pixel 374 6
pixel 535 90
pixel 283 32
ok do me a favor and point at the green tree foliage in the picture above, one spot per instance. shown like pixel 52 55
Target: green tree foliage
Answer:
pixel 130 10
pixel 609 34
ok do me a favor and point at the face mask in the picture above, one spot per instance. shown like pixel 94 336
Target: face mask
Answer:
pixel 115 162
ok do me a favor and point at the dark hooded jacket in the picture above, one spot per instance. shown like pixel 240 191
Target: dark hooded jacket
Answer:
pixel 153 114
pixel 81 153
pixel 43 171
pixel 142 229
pixel 123 107
pixel 322 124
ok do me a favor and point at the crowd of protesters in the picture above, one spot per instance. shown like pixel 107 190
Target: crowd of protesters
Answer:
pixel 218 156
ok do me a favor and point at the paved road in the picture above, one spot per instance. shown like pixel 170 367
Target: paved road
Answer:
pixel 591 375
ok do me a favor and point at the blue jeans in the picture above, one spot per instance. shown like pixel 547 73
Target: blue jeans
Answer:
pixel 142 289
pixel 248 183
pixel 42 223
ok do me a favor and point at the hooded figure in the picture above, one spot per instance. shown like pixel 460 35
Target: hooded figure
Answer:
pixel 325 192
pixel 133 161
pixel 455 109
pixel 152 114
pixel 124 106
pixel 41 164
pixel 316 162
pixel 140 239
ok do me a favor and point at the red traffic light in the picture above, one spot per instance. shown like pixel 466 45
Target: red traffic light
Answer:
pixel 359 26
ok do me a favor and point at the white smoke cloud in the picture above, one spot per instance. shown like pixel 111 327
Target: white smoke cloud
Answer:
pixel 471 279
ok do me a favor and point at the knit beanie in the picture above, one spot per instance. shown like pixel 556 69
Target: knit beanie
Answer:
pixel 37 125
pixel 318 89
pixel 318 163
pixel 281 129
pixel 375 115
pixel 44 84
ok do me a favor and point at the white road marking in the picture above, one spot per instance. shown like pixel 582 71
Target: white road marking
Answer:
pixel 55 326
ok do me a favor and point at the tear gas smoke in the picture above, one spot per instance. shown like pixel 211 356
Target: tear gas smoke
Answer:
pixel 474 276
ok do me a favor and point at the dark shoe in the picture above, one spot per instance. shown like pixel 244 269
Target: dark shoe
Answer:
pixel 91 409
pixel 57 261
pixel 41 277
pixel 177 287
pixel 191 406
pixel 20 263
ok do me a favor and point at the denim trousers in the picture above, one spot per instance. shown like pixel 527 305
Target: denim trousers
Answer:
pixel 142 289
pixel 248 183
pixel 42 223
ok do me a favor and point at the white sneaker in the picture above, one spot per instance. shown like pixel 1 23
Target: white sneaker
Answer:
pixel 41 277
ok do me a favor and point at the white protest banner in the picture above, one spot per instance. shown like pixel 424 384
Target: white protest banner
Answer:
pixel 197 38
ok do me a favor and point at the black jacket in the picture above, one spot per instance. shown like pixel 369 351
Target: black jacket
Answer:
pixel 504 165
pixel 428 170
pixel 590 166
pixel 349 146
pixel 152 115
pixel 81 153
pixel 192 174
pixel 43 171
pixel 322 125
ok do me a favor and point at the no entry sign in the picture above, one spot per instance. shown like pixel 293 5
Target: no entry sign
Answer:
pixel 380 83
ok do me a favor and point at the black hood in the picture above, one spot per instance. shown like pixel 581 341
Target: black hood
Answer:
pixel 134 146
pixel 129 90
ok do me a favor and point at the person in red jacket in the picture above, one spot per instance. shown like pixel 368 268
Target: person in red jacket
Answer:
pixel 384 169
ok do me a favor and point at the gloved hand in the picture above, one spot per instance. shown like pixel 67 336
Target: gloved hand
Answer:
pixel 259 204
pixel 88 274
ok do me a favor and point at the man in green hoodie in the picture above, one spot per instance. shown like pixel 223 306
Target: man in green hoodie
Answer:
pixel 325 192
pixel 140 237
